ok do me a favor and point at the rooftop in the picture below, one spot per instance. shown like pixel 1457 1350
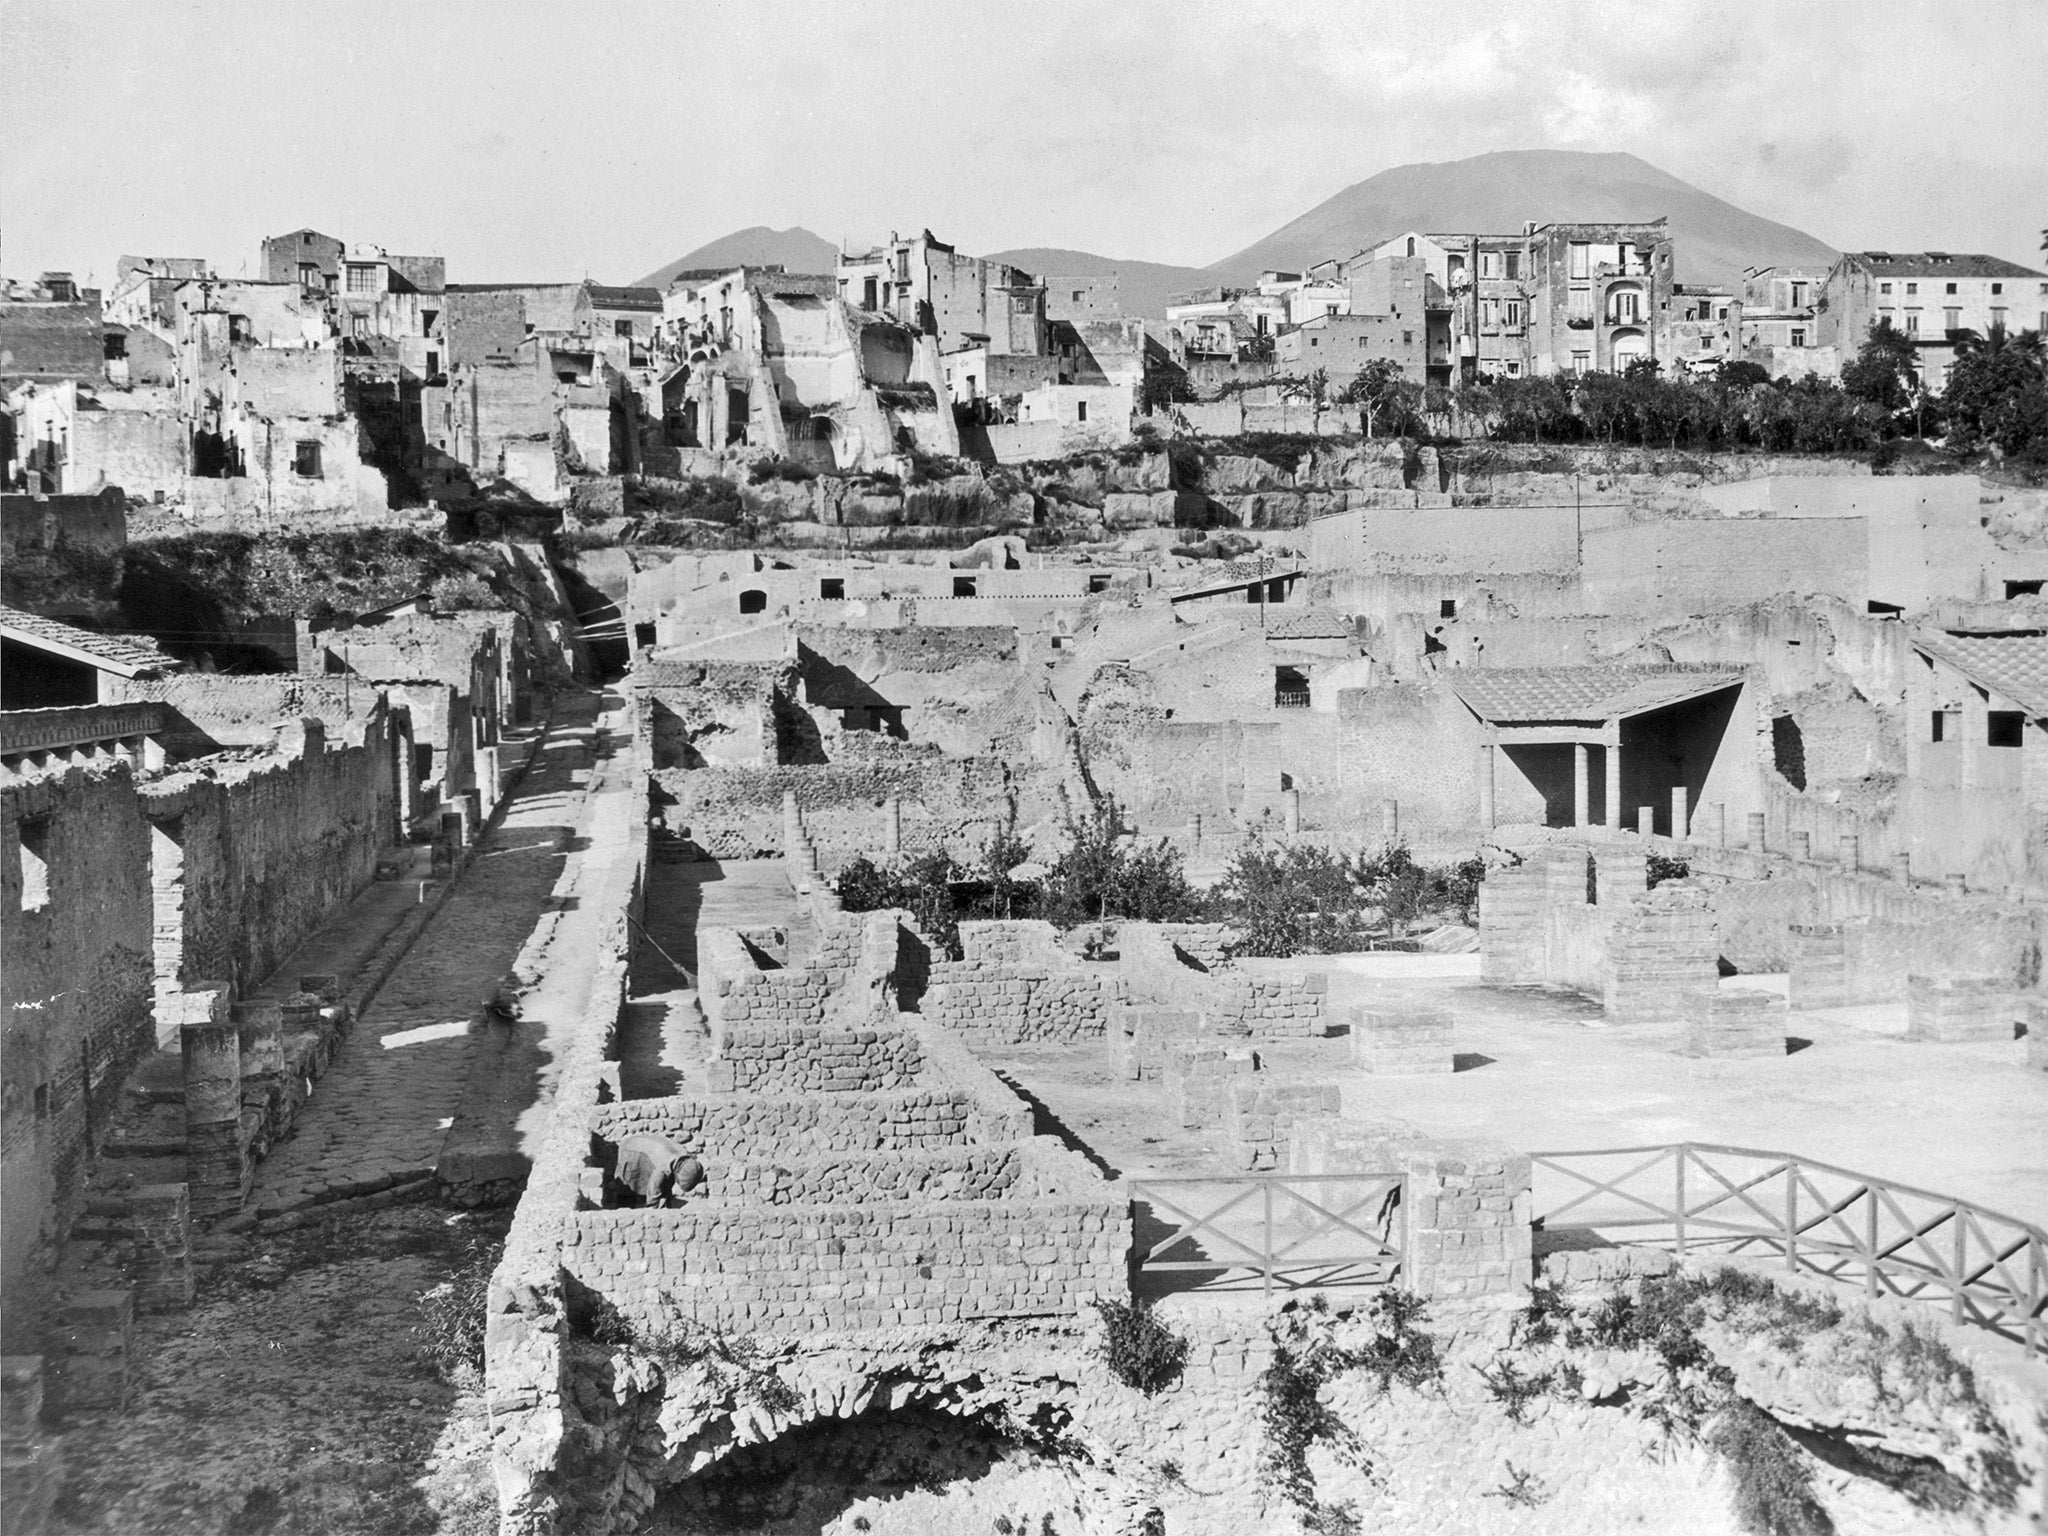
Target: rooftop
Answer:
pixel 129 656
pixel 1517 695
pixel 1938 264
pixel 2015 665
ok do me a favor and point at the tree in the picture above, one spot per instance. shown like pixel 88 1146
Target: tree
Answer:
pixel 1996 388
pixel 1883 371
pixel 1741 373
pixel 1379 388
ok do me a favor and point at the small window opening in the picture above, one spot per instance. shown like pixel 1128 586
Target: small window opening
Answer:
pixel 622 328
pixel 643 637
pixel 963 586
pixel 1098 583
pixel 2004 728
pixel 306 459
pixel 1447 608
pixel 1941 727
pixel 42 1101
pixel 2015 589
pixel 753 600
pixel 35 864
pixel 1290 688
pixel 832 589
pixel 1080 410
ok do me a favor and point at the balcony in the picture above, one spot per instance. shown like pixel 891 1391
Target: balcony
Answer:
pixel 1579 322
pixel 1290 698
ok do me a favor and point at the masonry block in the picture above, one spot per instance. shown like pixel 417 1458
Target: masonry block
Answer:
pixel 90 1360
pixel 1261 1116
pixel 1140 1039
pixel 1199 1077
pixel 31 1462
pixel 1954 1009
pixel 1661 950
pixel 1735 1023
pixel 161 1217
pixel 1820 977
pixel 1397 1040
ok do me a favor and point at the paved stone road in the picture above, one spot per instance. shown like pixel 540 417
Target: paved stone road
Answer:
pixel 379 1115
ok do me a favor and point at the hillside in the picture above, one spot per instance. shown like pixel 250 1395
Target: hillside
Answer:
pixel 796 249
pixel 1143 286
pixel 1497 193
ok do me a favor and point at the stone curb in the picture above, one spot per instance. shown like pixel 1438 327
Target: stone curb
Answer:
pixel 417 1188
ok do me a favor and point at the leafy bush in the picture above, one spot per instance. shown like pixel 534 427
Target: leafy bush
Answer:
pixel 922 886
pixel 764 470
pixel 451 1324
pixel 1141 1351
pixel 1102 874
pixel 1773 1482
pixel 1663 867
pixel 1295 900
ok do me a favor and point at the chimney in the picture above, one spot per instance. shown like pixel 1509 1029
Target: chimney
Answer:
pixel 1528 228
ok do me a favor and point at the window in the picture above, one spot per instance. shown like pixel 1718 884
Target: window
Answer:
pixel 1884 317
pixel 1884 287
pixel 1447 608
pixel 1407 338
pixel 1799 295
pixel 1489 264
pixel 1998 319
pixel 622 327
pixel 433 364
pixel 1798 337
pixel 753 600
pixel 1582 304
pixel 1912 288
pixel 1514 369
pixel 832 589
pixel 362 279
pixel 1514 261
pixel 1998 288
pixel 1098 582
pixel 1290 688
pixel 423 762
pixel 1077 295
pixel 1912 322
pixel 1511 314
pixel 2004 728
pixel 1951 288
pixel 35 864
pixel 1080 410
pixel 963 586
pixel 2015 589
pixel 1581 259
pixel 306 459
pixel 867 293
pixel 1944 725
pixel 309 276
pixel 1952 319
pixel 1411 245
pixel 1361 343
pixel 1581 361
pixel 1312 341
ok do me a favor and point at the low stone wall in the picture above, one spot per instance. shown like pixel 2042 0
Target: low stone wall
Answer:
pixel 946 1173
pixel 735 990
pixel 1261 1117
pixel 1141 1039
pixel 802 1058
pixel 1399 1041
pixel 1949 1009
pixel 1158 967
pixel 1866 959
pixel 1661 952
pixel 799 1269
pixel 761 1125
pixel 994 1002
pixel 1735 1023
pixel 1200 1077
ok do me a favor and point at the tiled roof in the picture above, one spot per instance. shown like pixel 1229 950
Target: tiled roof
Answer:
pixel 604 297
pixel 124 654
pixel 1525 694
pixel 1220 575
pixel 1938 264
pixel 1289 623
pixel 2013 665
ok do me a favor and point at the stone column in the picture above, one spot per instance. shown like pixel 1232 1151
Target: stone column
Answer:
pixel 1486 811
pixel 892 823
pixel 1717 824
pixel 1290 812
pixel 1755 821
pixel 216 1155
pixel 487 777
pixel 162 1216
pixel 1613 786
pixel 1680 826
pixel 1581 816
pixel 1646 820
pixel 1390 820
pixel 1820 975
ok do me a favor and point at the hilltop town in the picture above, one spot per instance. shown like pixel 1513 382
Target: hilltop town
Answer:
pixel 907 899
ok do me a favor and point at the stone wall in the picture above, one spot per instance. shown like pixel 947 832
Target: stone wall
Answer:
pixel 812 1059
pixel 1015 986
pixel 1158 967
pixel 745 1126
pixel 75 976
pixel 263 850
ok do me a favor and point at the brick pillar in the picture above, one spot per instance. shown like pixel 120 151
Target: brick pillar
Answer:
pixel 259 1028
pixel 1755 821
pixel 1948 1009
pixel 487 771
pixel 1802 847
pixel 1820 976
pixel 1513 902
pixel 1660 951
pixel 216 1152
pixel 90 1363
pixel 892 823
pixel 1401 1041
pixel 1620 876
pixel 162 1270
pixel 1849 852
pixel 1646 820
pixel 1680 826
pixel 472 816
pixel 1486 806
pixel 1390 820
pixel 1717 824
pixel 1581 786
pixel 1902 869
pixel 1466 1219
pixel 1290 812
pixel 1735 1023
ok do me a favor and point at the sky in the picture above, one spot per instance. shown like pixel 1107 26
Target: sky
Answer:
pixel 601 138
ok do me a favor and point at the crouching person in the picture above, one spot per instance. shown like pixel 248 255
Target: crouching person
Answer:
pixel 654 1171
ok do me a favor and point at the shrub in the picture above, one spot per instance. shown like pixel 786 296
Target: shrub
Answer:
pixel 764 470
pixel 1663 867
pixel 1141 1351
pixel 1773 1482
pixel 451 1324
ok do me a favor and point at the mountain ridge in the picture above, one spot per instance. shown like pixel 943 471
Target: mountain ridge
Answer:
pixel 795 249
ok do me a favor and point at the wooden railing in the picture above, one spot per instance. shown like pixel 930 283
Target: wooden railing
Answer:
pixel 1294 1230
pixel 1892 1239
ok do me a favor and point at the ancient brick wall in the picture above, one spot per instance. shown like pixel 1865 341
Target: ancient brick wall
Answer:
pixel 75 975
pixel 1015 984
pixel 786 1058
pixel 270 847
pixel 949 1173
pixel 740 1127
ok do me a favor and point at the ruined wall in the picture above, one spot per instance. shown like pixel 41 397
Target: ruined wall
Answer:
pixel 142 452
pixel 272 846
pixel 1702 564
pixel 34 524
pixel 1441 540
pixel 75 971
pixel 1013 986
